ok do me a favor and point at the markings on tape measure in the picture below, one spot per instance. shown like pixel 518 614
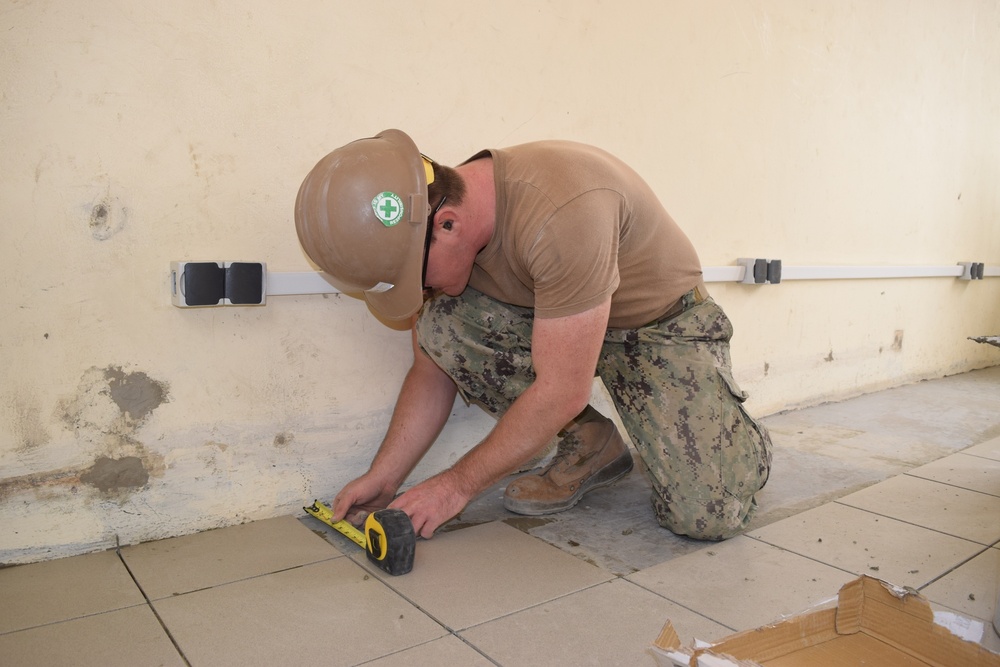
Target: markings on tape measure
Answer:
pixel 325 514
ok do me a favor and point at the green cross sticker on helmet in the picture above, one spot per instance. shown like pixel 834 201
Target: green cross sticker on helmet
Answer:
pixel 388 208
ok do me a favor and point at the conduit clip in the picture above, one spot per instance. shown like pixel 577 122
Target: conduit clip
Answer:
pixel 760 271
pixel 972 270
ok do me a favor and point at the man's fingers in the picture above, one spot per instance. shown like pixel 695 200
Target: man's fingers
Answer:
pixel 426 532
pixel 341 507
pixel 357 517
pixel 424 522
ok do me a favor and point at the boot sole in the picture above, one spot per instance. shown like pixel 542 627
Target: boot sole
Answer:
pixel 606 476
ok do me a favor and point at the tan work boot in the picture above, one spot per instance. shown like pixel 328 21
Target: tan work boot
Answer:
pixel 590 455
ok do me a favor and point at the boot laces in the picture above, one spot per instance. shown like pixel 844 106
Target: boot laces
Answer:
pixel 569 446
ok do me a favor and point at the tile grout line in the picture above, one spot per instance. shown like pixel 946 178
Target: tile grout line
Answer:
pixel 71 619
pixel 536 605
pixel 455 632
pixel 474 648
pixel 915 525
pixel 149 603
pixel 450 631
pixel 812 558
pixel 680 604
pixel 954 486
pixel 429 641
pixel 966 451
pixel 955 567
pixel 983 549
pixel 978 456
pixel 235 581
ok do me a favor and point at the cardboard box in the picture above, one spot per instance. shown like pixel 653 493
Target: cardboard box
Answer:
pixel 873 623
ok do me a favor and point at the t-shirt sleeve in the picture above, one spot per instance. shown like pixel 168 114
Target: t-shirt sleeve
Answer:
pixel 573 259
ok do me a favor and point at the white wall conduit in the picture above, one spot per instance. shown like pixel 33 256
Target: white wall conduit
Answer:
pixel 759 271
pixel 749 271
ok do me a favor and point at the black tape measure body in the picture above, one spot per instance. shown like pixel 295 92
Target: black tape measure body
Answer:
pixel 390 539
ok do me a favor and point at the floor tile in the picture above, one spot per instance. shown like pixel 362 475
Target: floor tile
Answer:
pixel 972 588
pixel 448 651
pixel 329 613
pixel 743 583
pixel 968 472
pixel 610 624
pixel 470 576
pixel 866 543
pixel 988 450
pixel 224 555
pixel 63 589
pixel 130 636
pixel 948 509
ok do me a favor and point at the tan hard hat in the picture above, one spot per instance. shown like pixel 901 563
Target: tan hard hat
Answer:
pixel 361 215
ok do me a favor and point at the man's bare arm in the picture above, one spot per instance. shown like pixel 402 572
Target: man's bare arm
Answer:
pixel 564 353
pixel 424 404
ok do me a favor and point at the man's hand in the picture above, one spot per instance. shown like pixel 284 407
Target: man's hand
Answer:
pixel 360 498
pixel 432 502
pixel 424 403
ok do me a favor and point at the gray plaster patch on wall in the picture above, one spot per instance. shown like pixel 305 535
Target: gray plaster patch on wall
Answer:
pixel 136 394
pixel 109 474
pixel 111 401
pixel 105 413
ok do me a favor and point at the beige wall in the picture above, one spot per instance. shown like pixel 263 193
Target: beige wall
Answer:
pixel 136 133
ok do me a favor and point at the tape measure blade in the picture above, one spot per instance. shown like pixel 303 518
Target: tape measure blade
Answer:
pixel 325 514
pixel 350 532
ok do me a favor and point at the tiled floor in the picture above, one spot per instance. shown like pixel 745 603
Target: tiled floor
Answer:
pixel 924 511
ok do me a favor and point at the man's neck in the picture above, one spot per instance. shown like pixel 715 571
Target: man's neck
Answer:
pixel 480 198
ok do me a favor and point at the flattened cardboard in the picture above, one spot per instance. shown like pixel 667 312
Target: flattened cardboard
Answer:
pixel 874 624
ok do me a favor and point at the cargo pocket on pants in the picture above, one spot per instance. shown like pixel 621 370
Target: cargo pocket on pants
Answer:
pixel 749 463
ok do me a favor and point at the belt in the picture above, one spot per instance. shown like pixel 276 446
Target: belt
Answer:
pixel 688 300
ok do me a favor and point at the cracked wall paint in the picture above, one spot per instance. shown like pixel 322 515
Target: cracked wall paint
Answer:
pixel 104 418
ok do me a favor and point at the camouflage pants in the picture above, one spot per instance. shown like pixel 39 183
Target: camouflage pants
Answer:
pixel 671 382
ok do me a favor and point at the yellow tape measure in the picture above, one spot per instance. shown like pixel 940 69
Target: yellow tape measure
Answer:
pixel 325 514
pixel 388 539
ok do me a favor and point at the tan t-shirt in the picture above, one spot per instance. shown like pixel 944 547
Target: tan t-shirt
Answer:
pixel 574 225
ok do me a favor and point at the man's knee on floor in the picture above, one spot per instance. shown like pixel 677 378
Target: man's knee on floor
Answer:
pixel 713 520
